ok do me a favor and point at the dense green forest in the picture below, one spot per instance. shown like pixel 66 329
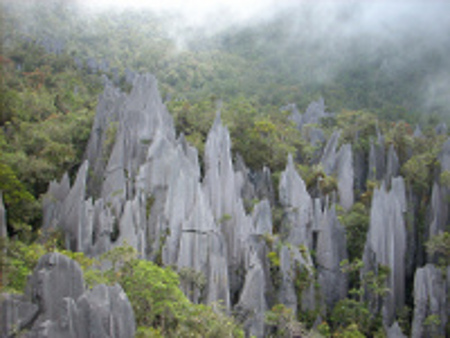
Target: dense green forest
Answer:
pixel 56 57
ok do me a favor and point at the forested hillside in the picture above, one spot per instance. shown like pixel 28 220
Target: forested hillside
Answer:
pixel 285 175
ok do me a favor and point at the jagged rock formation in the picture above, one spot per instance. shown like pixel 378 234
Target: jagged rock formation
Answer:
pixel 313 114
pixel 386 243
pixel 430 308
pixel 57 305
pixel 141 184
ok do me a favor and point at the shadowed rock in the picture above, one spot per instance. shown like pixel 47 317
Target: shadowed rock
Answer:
pixel 386 244
pixel 3 229
pixel 429 300
pixel 330 252
pixel 16 314
pixel 441 129
pixel 262 218
pixel 328 159
pixel 252 305
pixel 298 207
pixel 345 176
pixel 394 331
pixel 393 164
pixel 377 159
pixel 55 277
pixel 58 306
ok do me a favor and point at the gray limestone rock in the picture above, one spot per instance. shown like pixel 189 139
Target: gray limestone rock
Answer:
pixel 439 211
pixel 345 176
pixel 316 136
pixel 393 164
pixel 386 244
pixel 444 157
pixel 222 187
pixel 298 207
pixel 218 286
pixel 418 132
pixel 71 219
pixel 248 189
pixel 108 306
pixel 295 116
pixel 262 218
pixel 262 181
pixel 53 200
pixel 287 294
pixel 377 159
pixel 61 308
pixel 331 250
pixel 429 300
pixel 394 331
pixel 313 114
pixel 441 129
pixel 16 314
pixel 252 305
pixel 3 229
pixel 328 159
pixel 54 278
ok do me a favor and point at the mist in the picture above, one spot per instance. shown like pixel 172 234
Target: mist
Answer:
pixel 312 42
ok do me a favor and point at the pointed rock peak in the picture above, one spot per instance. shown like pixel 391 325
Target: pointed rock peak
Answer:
pixel 418 132
pixel 240 164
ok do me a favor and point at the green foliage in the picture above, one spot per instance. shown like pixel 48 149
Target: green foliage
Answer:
pixel 445 179
pixel 19 202
pixel 358 127
pixel 275 272
pixel 225 218
pixel 110 139
pixel 17 262
pixel 439 246
pixel 351 331
pixel 315 178
pixel 351 312
pixel 418 171
pixel 357 311
pixel 148 205
pixel 356 223
pixel 159 305
pixel 282 322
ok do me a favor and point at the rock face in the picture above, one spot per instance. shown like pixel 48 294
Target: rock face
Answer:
pixel 3 229
pixel 16 314
pixel 377 159
pixel 331 250
pixel 297 204
pixel 313 114
pixel 56 305
pixel 252 304
pixel 345 176
pixel 430 309
pixel 386 243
